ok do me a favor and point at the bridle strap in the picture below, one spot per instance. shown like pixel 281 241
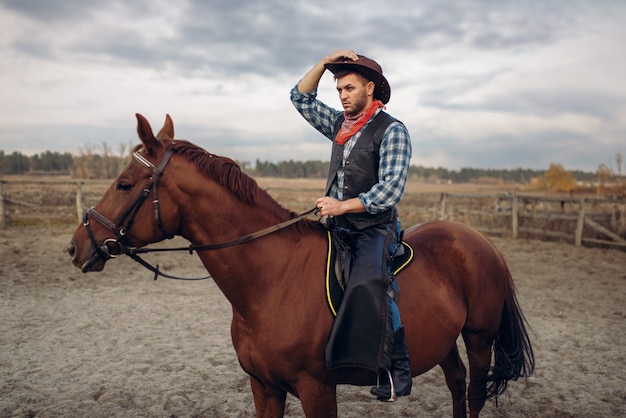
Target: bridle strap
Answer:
pixel 98 217
pixel 131 210
pixel 226 244
pixel 156 174
pixel 151 185
pixel 157 272
pixel 111 248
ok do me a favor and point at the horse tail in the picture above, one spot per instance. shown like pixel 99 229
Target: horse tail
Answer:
pixel 513 352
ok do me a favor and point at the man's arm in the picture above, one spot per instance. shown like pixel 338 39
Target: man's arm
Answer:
pixel 395 159
pixel 311 79
pixel 329 206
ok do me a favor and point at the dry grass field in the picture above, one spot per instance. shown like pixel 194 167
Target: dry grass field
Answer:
pixel 51 201
pixel 117 344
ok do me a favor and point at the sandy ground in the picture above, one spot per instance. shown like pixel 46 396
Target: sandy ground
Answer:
pixel 118 344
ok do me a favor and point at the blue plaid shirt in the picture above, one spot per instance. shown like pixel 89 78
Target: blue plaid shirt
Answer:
pixel 395 153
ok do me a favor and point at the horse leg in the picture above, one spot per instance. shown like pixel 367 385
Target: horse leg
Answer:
pixel 269 402
pixel 454 370
pixel 318 400
pixel 479 356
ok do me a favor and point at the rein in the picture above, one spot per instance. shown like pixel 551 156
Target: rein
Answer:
pixel 133 252
pixel 112 248
pixel 226 244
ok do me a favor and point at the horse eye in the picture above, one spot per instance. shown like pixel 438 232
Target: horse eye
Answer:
pixel 124 186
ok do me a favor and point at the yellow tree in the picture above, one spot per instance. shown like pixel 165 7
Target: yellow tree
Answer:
pixel 560 180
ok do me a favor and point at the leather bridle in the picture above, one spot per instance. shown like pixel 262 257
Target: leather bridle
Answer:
pixel 120 245
pixel 112 248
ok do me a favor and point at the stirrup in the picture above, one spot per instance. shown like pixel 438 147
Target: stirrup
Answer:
pixel 392 397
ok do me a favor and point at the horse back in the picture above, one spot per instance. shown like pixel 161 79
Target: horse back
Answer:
pixel 456 282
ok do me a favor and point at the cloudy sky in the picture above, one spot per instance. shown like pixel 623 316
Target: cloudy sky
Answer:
pixel 480 83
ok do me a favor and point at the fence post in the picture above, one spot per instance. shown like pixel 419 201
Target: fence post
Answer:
pixel 622 222
pixel 79 201
pixel 514 215
pixel 578 238
pixel 442 209
pixel 2 213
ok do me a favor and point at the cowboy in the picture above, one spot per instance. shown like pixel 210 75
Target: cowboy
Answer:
pixel 369 165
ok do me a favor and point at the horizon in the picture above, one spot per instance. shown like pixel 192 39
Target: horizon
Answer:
pixel 252 164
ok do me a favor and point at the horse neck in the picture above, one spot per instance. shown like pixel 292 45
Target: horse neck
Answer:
pixel 249 274
pixel 247 271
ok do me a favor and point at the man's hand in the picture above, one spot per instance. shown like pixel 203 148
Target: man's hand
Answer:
pixel 329 206
pixel 313 77
pixel 342 53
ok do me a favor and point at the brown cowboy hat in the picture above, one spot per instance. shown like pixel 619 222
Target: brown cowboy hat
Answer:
pixel 370 69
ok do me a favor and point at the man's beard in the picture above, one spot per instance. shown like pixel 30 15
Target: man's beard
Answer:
pixel 359 106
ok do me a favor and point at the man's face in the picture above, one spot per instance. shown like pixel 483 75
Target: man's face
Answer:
pixel 355 92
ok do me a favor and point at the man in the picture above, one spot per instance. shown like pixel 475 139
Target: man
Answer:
pixel 369 165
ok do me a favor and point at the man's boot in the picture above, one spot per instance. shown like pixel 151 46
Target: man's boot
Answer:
pixel 400 371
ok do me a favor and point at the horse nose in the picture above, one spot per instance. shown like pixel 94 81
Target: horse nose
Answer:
pixel 71 250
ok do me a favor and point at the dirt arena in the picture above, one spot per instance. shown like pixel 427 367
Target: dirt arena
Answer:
pixel 118 344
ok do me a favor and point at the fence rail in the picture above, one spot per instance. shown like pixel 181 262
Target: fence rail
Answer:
pixel 578 220
pixel 46 202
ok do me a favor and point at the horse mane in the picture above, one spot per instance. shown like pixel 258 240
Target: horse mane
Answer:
pixel 223 170
pixel 227 173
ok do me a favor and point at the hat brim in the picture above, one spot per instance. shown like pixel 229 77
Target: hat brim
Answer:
pixel 382 90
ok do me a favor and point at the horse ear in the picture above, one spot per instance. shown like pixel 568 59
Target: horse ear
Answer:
pixel 167 131
pixel 145 134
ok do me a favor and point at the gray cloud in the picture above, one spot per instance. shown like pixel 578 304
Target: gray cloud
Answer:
pixel 604 105
pixel 261 37
pixel 48 11
pixel 445 58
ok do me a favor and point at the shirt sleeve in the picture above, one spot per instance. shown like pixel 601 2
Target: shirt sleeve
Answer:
pixel 319 115
pixel 393 170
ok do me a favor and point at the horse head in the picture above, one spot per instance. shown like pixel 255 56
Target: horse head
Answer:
pixel 130 213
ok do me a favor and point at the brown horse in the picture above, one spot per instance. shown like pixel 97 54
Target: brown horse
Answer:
pixel 457 284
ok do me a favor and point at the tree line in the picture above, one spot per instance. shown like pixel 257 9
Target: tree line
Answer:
pixel 48 162
pixel 90 164
pixel 319 169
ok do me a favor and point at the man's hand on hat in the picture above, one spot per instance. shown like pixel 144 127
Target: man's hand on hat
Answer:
pixel 342 53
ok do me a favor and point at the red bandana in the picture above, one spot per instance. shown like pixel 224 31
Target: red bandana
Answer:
pixel 352 124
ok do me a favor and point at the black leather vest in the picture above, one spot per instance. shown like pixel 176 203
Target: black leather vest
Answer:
pixel 361 170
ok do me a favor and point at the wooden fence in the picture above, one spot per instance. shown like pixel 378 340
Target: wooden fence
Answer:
pixel 578 220
pixel 26 202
